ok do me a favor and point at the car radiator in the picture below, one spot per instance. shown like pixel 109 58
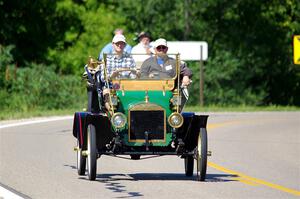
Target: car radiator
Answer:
pixel 151 121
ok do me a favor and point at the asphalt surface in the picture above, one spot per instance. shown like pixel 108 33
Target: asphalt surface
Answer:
pixel 254 155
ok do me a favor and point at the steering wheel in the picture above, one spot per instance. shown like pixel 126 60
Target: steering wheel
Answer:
pixel 117 74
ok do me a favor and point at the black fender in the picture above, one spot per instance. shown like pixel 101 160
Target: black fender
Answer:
pixel 102 124
pixel 190 129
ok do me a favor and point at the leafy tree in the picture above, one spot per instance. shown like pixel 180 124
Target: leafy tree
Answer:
pixel 32 27
pixel 97 26
pixel 249 44
pixel 250 53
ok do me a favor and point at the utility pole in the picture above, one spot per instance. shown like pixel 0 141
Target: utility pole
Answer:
pixel 201 80
pixel 186 33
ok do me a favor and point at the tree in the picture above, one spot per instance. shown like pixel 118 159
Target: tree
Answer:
pixel 32 27
pixel 249 44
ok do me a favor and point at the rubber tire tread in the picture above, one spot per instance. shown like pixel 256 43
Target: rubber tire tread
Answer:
pixel 92 169
pixel 203 161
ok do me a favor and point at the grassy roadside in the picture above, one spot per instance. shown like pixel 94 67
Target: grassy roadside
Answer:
pixel 240 108
pixel 8 115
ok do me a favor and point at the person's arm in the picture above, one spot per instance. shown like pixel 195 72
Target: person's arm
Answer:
pixel 108 48
pixel 186 73
pixel 128 48
pixel 184 70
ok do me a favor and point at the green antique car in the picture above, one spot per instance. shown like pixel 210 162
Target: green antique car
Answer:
pixel 141 117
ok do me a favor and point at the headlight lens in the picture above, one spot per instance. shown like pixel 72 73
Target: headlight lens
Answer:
pixel 175 120
pixel 118 120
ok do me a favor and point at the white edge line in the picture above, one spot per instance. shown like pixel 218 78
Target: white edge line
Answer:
pixel 35 121
pixel 6 194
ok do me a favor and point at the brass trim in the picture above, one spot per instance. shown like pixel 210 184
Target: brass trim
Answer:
pixel 146 97
pixel 179 125
pixel 147 107
pixel 107 83
pixel 122 115
pixel 93 63
pixel 139 84
pixel 178 79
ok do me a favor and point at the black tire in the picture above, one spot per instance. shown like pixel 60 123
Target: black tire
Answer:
pixel 92 152
pixel 81 161
pixel 202 155
pixel 189 165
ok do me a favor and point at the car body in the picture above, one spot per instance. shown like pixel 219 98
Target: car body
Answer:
pixel 143 118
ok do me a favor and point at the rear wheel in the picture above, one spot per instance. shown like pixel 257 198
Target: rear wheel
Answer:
pixel 189 165
pixel 92 152
pixel 201 156
pixel 81 161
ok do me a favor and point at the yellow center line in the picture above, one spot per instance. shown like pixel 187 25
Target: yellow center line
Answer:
pixel 217 125
pixel 242 177
pixel 245 178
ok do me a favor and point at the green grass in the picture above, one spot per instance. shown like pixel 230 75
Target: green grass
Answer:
pixel 214 108
pixel 8 115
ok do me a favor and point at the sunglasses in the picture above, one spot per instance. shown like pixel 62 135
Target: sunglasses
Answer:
pixel 160 48
pixel 120 43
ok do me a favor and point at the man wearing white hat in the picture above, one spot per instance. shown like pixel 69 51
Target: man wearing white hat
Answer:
pixel 108 48
pixel 163 66
pixel 119 58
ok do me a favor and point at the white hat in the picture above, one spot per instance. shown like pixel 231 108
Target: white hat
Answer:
pixel 160 42
pixel 118 38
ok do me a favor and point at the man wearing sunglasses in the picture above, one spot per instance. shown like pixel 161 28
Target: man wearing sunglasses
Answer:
pixel 163 66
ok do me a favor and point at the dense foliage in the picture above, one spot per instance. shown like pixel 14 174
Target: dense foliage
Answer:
pixel 250 51
pixel 37 86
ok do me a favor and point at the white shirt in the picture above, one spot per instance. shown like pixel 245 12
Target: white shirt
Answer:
pixel 140 49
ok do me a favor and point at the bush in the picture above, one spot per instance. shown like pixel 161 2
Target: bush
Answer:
pixel 39 87
pixel 225 82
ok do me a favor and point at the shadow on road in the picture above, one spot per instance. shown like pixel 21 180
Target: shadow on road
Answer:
pixel 160 176
pixel 113 181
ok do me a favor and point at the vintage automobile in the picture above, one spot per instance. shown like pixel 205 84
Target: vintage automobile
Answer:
pixel 141 117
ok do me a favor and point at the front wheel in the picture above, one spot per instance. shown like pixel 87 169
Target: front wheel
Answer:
pixel 81 161
pixel 92 152
pixel 201 156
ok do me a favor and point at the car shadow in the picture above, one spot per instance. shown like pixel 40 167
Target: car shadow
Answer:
pixel 113 182
pixel 164 176
pixel 159 176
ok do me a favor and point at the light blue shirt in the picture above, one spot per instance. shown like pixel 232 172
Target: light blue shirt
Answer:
pixel 160 61
pixel 108 49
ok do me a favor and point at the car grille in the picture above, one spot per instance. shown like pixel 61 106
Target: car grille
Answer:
pixel 151 121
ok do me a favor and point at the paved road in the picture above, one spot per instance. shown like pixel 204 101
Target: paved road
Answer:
pixel 255 155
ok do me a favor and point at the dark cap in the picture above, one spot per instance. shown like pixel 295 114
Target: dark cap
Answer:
pixel 144 34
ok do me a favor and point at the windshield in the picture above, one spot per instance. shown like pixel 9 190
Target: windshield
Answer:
pixel 140 67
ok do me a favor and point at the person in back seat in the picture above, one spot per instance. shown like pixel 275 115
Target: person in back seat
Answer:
pixel 143 47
